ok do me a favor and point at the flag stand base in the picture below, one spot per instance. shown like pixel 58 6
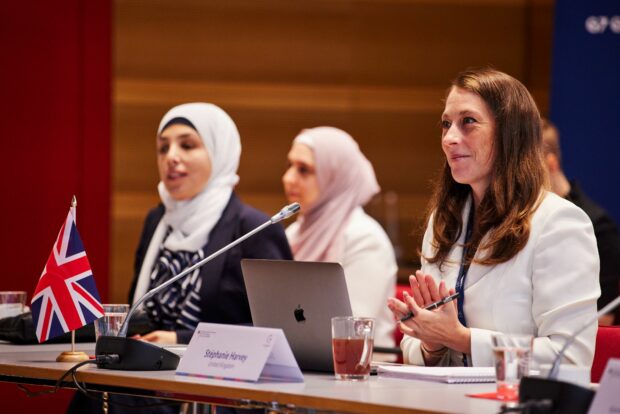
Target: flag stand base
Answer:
pixel 72 356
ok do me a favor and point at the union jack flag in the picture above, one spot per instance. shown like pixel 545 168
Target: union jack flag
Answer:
pixel 66 296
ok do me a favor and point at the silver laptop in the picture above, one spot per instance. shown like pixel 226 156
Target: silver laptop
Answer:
pixel 300 298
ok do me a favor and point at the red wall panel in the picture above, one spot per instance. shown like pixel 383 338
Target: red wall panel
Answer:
pixel 55 142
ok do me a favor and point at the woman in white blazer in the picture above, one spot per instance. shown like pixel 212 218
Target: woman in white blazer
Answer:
pixel 522 259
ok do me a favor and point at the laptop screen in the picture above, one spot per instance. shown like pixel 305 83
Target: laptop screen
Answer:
pixel 300 298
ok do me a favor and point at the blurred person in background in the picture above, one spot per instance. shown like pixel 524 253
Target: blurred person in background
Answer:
pixel 332 179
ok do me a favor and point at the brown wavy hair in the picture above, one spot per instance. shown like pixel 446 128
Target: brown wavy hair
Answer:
pixel 517 181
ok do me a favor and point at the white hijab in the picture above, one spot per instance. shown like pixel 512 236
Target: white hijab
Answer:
pixel 192 220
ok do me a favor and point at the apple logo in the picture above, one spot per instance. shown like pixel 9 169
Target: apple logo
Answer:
pixel 299 314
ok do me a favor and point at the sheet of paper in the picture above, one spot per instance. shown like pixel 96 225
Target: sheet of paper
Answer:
pixel 452 375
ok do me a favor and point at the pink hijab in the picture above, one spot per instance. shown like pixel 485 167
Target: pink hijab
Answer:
pixel 346 180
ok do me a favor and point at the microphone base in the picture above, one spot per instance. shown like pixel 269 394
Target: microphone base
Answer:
pixel 134 355
pixel 565 398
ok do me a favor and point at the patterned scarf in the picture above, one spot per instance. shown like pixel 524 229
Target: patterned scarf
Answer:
pixel 176 307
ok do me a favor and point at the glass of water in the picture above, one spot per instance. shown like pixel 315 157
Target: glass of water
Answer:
pixel 111 321
pixel 352 343
pixel 512 354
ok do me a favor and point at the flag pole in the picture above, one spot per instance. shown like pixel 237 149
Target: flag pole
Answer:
pixel 73 206
pixel 73 355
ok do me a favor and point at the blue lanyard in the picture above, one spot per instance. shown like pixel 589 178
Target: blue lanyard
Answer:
pixel 460 281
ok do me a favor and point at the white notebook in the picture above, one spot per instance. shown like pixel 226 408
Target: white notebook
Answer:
pixel 450 375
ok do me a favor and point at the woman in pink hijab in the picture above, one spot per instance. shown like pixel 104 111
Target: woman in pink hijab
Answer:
pixel 331 179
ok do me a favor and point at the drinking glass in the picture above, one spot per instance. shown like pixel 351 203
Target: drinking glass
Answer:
pixel 512 354
pixel 112 320
pixel 352 342
pixel 12 303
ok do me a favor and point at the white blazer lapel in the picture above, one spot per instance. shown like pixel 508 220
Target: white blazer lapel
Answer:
pixel 452 265
pixel 476 271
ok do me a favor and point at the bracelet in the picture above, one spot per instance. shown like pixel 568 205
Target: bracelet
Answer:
pixel 437 353
pixel 432 357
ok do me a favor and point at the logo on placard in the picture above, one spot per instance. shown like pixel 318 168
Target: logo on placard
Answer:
pixel 299 314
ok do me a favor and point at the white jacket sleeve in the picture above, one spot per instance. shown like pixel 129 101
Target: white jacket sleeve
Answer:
pixel 565 284
pixel 370 270
pixel 412 353
pixel 565 287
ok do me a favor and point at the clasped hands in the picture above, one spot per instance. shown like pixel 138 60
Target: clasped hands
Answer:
pixel 438 328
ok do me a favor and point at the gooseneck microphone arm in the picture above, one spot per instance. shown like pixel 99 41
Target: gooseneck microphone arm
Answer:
pixel 285 213
pixel 129 354
pixel 555 368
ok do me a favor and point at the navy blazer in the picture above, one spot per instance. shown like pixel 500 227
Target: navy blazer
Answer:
pixel 223 295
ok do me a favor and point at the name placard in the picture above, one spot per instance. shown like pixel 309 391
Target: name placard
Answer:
pixel 607 398
pixel 239 353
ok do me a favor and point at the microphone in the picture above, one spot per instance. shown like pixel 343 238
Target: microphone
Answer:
pixel 559 396
pixel 132 354
pixel 286 212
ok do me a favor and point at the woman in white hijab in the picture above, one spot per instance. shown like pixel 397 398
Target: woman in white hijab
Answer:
pixel 198 150
pixel 331 179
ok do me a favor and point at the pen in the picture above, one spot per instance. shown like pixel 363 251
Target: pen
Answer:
pixel 432 306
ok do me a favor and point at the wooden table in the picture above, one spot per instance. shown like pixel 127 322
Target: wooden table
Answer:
pixel 35 364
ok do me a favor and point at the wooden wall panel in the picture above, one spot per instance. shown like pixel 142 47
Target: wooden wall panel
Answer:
pixel 537 63
pixel 378 69
pixel 397 42
pixel 234 40
pixel 413 43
